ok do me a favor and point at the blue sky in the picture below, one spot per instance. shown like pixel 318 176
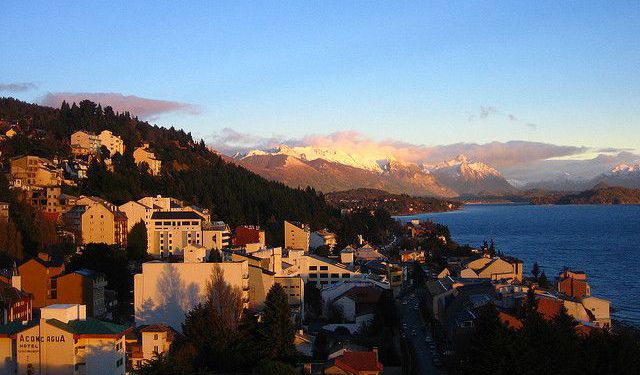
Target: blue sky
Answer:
pixel 561 72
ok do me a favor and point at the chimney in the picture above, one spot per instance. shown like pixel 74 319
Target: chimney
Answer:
pixel 276 258
pixel 375 350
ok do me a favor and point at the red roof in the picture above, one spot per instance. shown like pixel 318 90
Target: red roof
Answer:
pixel 510 320
pixel 359 361
pixel 549 307
pixel 364 294
pixel 584 330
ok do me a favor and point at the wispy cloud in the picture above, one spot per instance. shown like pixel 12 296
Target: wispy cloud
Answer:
pixel 18 86
pixel 230 141
pixel 143 107
pixel 485 112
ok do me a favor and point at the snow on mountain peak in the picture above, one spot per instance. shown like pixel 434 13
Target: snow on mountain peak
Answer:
pixel 626 168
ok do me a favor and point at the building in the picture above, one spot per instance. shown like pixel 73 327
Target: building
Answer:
pixel 113 143
pixel 321 238
pixel 96 221
pixel 48 283
pixel 165 292
pixel 358 304
pixel 64 341
pixel 216 235
pixel 170 231
pixel 154 339
pixel 346 362
pixel 143 155
pixel 249 234
pixel 160 203
pixel 34 171
pixel 367 252
pixel 136 212
pixel 15 305
pixel 296 236
pixel 49 200
pixel 574 284
pixel 4 212
pixel 495 268
pixel 84 143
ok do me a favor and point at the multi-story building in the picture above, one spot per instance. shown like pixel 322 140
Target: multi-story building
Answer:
pixel 136 212
pixel 154 339
pixel 63 341
pixel 4 212
pixel 322 238
pixel 160 203
pixel 170 231
pixel 33 171
pixel 15 304
pixel 112 142
pixel 296 236
pixel 216 235
pixel 48 283
pixel 165 292
pixel 84 143
pixel 97 222
pixel 143 155
pixel 50 200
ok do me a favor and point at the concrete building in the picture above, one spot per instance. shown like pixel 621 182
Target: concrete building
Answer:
pixel 136 212
pixel 170 231
pixel 165 292
pixel 15 305
pixel 63 342
pixel 34 171
pixel 97 222
pixel 49 284
pixel 84 143
pixel 143 155
pixel 216 235
pixel 49 200
pixel 112 142
pixel 367 252
pixel 160 203
pixel 322 238
pixel 574 284
pixel 154 339
pixel 296 236
pixel 495 268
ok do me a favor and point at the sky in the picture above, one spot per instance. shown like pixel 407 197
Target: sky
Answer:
pixel 429 73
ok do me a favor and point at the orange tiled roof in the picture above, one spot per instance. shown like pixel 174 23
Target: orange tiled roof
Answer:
pixel 510 320
pixel 358 361
pixel 549 308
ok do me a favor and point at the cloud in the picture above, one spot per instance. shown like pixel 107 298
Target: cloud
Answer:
pixel 486 112
pixel 498 154
pixel 613 150
pixel 141 107
pixel 18 86
pixel 230 141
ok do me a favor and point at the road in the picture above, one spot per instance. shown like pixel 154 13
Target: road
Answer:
pixel 418 337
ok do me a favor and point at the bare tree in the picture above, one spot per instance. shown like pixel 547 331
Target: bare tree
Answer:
pixel 224 300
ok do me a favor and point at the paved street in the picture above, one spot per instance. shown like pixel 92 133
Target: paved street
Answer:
pixel 417 336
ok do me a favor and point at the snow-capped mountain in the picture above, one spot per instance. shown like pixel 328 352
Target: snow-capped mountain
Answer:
pixel 467 177
pixel 327 169
pixel 625 169
pixel 314 153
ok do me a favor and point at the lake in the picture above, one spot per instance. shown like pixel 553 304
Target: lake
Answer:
pixel 599 240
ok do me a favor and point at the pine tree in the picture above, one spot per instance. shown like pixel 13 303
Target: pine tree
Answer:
pixel 278 331
pixel 535 271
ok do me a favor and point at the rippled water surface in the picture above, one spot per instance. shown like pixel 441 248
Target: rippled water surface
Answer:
pixel 603 241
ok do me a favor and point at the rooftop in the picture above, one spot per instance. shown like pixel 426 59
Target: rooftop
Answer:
pixel 169 215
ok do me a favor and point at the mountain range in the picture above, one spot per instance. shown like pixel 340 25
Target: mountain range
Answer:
pixel 329 170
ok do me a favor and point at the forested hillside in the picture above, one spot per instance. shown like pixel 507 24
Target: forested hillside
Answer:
pixel 190 171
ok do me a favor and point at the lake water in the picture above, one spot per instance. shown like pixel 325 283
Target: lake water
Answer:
pixel 603 241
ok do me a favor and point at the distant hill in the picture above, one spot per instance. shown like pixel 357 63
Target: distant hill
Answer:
pixel 396 204
pixel 190 171
pixel 600 194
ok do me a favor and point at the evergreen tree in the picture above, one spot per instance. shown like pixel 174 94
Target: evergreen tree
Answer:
pixel 137 242
pixel 543 281
pixel 535 271
pixel 278 331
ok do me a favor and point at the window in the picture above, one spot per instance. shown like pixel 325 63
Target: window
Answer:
pixel 313 275
pixel 324 282
pixel 155 348
pixel 313 268
pixel 335 275
pixel 323 268
pixel 346 275
pixel 119 362
pixel 324 275
pixel 166 223
pixel 155 336
pixel 194 223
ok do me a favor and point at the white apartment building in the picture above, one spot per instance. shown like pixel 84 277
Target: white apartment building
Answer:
pixel 170 231
pixel 165 292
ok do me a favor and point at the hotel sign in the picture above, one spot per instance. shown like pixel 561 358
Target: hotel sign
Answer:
pixel 27 343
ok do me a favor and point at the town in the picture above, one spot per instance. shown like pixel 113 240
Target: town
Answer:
pixel 126 288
